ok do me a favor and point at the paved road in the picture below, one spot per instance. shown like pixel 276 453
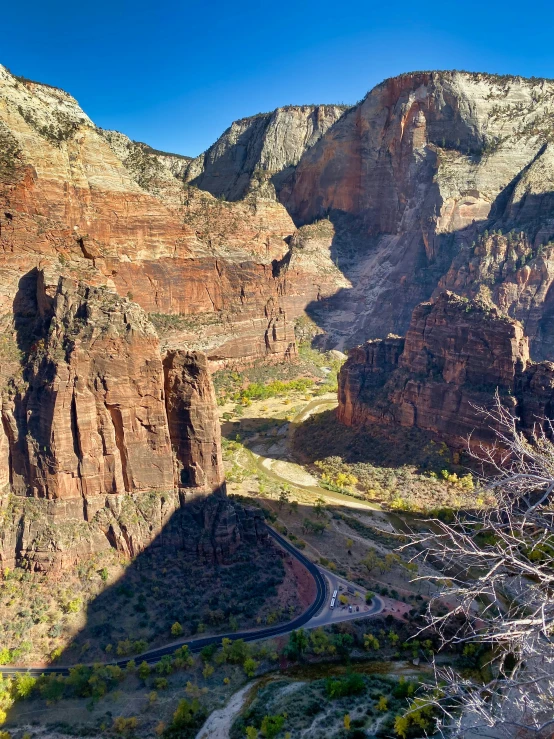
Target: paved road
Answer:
pixel 329 616
pixel 318 614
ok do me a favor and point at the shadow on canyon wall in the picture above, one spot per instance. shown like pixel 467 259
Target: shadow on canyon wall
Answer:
pixel 391 273
pixel 210 563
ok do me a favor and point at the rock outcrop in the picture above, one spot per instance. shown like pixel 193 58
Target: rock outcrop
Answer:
pixel 155 171
pixel 193 420
pixel 257 154
pixel 456 355
pixel 98 427
pixel 435 181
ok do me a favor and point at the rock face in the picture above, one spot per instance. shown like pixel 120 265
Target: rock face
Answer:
pixel 257 154
pixel 95 206
pixel 435 181
pixel 456 354
pixel 97 422
pixel 416 178
pixel 193 420
pixel 155 171
pixel 94 409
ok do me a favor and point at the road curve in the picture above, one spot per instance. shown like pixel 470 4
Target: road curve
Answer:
pixel 195 645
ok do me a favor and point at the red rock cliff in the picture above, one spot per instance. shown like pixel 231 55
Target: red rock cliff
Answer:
pixel 95 424
pixel 456 354
pixel 97 207
pixel 436 180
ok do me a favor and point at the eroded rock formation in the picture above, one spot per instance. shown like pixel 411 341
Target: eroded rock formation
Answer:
pixel 97 207
pixel 439 180
pixel 456 355
pixel 193 420
pixel 434 181
pixel 98 429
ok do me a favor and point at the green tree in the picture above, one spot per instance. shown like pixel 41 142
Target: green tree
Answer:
pixel 165 665
pixel 372 561
pixel 271 726
pixel 298 643
pixel 176 629
pixel 24 684
pixel 143 670
pixel 182 658
pixel 250 666
pixel 371 642
pixel 283 497
pixel 186 714
pixel 401 725
pixel 343 644
pixel 321 643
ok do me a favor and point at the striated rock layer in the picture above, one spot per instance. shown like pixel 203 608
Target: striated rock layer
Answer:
pixel 95 206
pixel 456 355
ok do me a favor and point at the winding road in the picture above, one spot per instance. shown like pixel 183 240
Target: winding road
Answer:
pixel 313 617
pixel 316 615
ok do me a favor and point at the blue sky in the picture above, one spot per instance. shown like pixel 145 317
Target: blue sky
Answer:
pixel 175 74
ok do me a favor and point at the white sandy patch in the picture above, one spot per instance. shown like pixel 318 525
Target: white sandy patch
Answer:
pixel 290 472
pixel 219 722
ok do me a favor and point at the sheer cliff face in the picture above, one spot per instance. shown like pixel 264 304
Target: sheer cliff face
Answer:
pixel 418 172
pixel 256 154
pixel 93 412
pixel 455 355
pixel 92 422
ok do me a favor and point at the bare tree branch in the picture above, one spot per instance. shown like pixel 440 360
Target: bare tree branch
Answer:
pixel 499 558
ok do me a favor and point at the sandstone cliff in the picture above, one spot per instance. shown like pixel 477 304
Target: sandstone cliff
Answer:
pixel 415 178
pixel 156 171
pixel 95 206
pixel 438 180
pixel 257 154
pixel 456 354
pixel 98 430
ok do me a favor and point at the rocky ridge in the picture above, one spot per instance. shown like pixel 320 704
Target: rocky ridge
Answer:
pixel 256 155
pixel 435 181
pixel 456 355
pixel 97 207
pixel 416 178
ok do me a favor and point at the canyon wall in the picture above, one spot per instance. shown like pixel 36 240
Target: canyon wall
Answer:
pixel 436 180
pixel 95 206
pixel 256 155
pixel 456 354
pixel 119 267
pixel 97 427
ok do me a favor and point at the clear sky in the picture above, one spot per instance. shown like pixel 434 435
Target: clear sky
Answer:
pixel 176 74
